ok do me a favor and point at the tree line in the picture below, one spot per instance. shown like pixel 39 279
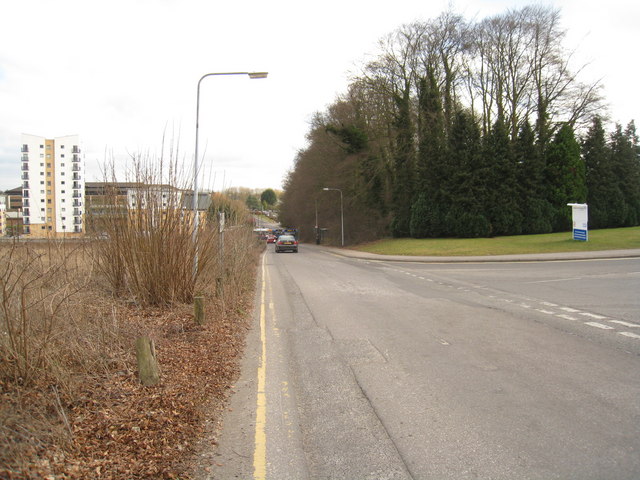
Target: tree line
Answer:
pixel 469 129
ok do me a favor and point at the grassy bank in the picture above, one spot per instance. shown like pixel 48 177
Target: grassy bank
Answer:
pixel 609 239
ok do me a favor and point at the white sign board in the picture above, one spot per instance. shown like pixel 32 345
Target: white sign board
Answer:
pixel 580 215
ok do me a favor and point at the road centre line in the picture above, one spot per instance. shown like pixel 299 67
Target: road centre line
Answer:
pixel 549 312
pixel 629 334
pixel 599 325
pixel 626 324
pixel 592 315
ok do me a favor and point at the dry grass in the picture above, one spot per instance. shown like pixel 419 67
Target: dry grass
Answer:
pixel 71 405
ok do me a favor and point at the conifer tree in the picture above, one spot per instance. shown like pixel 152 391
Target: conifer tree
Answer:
pixel 626 169
pixel 606 204
pixel 502 208
pixel 565 175
pixel 530 173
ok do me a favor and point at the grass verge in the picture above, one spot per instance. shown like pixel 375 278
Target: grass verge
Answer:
pixel 608 239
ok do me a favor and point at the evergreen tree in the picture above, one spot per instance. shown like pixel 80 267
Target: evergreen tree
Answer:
pixel 268 198
pixel 502 208
pixel 404 169
pixel 565 174
pixel 530 174
pixel 606 204
pixel 469 196
pixel 429 211
pixel 626 169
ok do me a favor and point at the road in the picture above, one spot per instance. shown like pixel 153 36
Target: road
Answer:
pixel 362 369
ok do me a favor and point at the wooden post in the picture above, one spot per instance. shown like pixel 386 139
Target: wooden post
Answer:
pixel 198 310
pixel 148 369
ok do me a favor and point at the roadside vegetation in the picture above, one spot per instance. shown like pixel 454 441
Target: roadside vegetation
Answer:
pixel 466 128
pixel 71 403
pixel 608 239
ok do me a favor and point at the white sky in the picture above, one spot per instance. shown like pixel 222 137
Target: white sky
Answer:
pixel 122 73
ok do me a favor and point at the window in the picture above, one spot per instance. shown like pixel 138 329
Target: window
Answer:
pixel 62 191
pixel 61 146
pixel 48 183
pixel 42 192
pixel 41 146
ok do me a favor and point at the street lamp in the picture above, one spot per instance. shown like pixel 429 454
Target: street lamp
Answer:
pixel 251 75
pixel 341 211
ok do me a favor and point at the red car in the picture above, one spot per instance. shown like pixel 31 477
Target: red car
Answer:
pixel 271 238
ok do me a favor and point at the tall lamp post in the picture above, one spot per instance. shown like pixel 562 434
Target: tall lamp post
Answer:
pixel 341 211
pixel 196 220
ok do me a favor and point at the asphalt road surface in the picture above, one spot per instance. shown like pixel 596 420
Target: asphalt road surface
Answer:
pixel 362 369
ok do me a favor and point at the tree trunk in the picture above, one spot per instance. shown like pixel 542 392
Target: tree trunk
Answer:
pixel 148 369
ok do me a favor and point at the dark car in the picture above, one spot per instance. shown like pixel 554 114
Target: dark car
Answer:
pixel 286 243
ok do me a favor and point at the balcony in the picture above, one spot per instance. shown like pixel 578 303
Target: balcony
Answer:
pixel 77 221
pixel 75 149
pixel 76 203
pixel 25 212
pixel 76 195
pixel 76 185
pixel 25 203
pixel 25 185
pixel 76 176
pixel 25 176
pixel 25 158
pixel 25 167
pixel 77 211
pixel 75 168
pixel 25 148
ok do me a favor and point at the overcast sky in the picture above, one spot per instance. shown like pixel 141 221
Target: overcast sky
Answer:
pixel 121 74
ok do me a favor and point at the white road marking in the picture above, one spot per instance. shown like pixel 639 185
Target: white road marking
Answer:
pixel 569 309
pixel 599 325
pixel 548 312
pixel 548 304
pixel 524 305
pixel 566 317
pixel 592 315
pixel 626 324
pixel 629 334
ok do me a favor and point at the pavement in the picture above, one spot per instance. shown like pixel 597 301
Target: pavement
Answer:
pixel 529 257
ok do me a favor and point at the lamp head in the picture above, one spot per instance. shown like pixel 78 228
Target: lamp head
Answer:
pixel 255 75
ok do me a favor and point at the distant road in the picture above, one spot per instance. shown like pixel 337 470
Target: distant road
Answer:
pixel 385 370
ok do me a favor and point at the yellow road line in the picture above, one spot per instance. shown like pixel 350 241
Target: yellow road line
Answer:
pixel 260 451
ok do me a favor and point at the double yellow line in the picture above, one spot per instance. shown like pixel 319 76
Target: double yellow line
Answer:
pixel 260 450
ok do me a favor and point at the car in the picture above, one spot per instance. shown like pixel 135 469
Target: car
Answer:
pixel 285 243
pixel 271 238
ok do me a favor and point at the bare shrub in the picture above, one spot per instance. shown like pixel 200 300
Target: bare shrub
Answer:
pixel 147 246
pixel 35 288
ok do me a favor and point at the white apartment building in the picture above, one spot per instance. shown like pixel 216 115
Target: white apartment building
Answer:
pixel 52 185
